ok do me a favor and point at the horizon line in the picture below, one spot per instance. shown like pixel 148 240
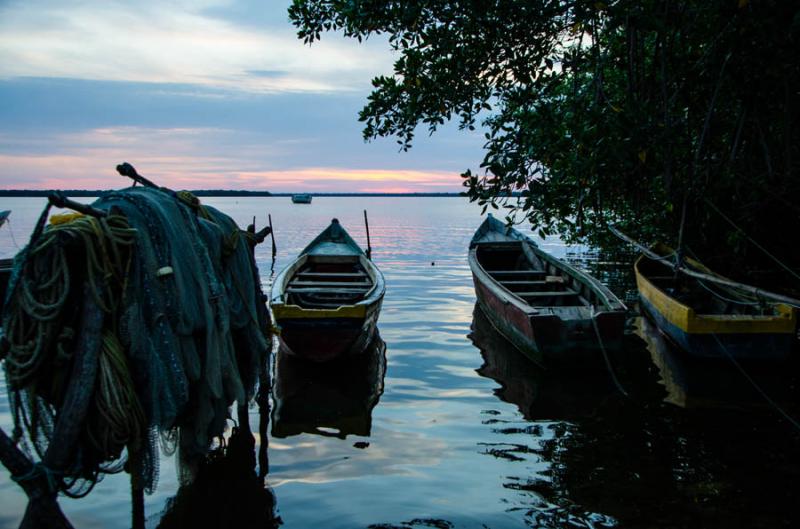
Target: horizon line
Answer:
pixel 231 192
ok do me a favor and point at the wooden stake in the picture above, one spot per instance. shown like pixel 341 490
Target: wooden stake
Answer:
pixel 369 246
pixel 274 248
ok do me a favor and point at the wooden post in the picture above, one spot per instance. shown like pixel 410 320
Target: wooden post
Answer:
pixel 369 246
pixel 264 388
pixel 274 248
pixel 137 490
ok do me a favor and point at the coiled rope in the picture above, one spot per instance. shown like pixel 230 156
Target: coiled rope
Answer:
pixel 44 286
pixel 41 341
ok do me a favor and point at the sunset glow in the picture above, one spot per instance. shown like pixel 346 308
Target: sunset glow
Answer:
pixel 218 94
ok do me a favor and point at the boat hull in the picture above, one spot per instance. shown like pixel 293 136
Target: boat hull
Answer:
pixel 322 337
pixel 739 345
pixel 545 338
pixel 552 312
pixel 326 302
pixel 738 336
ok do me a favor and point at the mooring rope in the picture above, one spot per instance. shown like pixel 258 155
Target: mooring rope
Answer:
pixel 753 241
pixel 606 357
pixel 38 469
pixel 755 385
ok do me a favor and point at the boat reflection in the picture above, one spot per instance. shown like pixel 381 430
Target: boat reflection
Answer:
pixel 537 393
pixel 712 383
pixel 333 399
pixel 572 437
pixel 225 492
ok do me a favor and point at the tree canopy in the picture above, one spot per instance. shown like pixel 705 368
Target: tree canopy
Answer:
pixel 638 113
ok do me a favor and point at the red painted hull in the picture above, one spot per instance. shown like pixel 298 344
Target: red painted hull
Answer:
pixel 321 340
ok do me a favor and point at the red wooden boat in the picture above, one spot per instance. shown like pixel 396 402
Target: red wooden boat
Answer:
pixel 549 310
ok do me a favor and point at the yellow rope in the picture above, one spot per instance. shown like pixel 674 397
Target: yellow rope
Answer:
pixel 193 202
pixel 117 419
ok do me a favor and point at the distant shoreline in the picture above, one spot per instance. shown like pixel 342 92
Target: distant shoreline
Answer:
pixel 215 193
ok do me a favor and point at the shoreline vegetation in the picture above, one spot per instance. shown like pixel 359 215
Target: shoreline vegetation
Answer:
pixel 216 193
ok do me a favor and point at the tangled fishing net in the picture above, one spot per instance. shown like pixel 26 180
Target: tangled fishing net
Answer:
pixel 183 332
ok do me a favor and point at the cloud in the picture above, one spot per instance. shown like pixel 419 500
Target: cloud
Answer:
pixel 176 42
pixel 268 73
pixel 196 158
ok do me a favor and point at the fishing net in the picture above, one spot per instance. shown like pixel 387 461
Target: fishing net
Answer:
pixel 183 333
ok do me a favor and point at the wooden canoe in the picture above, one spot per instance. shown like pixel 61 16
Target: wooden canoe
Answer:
pixel 549 310
pixel 711 320
pixel 326 302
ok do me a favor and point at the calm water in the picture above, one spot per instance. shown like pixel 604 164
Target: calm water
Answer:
pixel 445 425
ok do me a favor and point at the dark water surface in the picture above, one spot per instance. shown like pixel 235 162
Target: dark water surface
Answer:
pixel 444 425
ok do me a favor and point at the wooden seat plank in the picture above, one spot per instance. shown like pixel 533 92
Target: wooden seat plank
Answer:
pixel 308 290
pixel 337 275
pixel 330 284
pixel 551 294
pixel 516 283
pixel 517 272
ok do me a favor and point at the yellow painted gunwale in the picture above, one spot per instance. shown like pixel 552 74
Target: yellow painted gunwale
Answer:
pixel 281 311
pixel 685 318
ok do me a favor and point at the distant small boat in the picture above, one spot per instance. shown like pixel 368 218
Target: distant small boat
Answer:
pixel 326 302
pixel 549 310
pixel 301 198
pixel 712 320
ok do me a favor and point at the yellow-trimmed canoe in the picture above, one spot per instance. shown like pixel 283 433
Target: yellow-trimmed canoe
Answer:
pixel 326 302
pixel 710 320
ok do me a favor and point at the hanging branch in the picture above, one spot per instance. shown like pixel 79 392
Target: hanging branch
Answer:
pixel 758 292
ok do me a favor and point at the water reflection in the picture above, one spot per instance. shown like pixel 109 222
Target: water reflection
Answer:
pixel 537 393
pixel 226 492
pixel 333 399
pixel 714 383
pixel 585 456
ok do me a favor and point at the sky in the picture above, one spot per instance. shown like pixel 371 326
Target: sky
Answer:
pixel 205 94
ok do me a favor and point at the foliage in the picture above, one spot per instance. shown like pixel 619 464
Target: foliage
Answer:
pixel 623 112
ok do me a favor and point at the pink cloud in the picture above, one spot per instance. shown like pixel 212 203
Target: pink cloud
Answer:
pixel 195 158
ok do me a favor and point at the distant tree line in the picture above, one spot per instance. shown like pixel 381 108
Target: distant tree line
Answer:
pixel 98 192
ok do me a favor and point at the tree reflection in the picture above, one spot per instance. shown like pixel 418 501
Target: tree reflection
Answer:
pixel 582 455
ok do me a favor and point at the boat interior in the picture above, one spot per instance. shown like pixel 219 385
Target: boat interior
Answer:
pixel 327 282
pixel 704 297
pixel 526 276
